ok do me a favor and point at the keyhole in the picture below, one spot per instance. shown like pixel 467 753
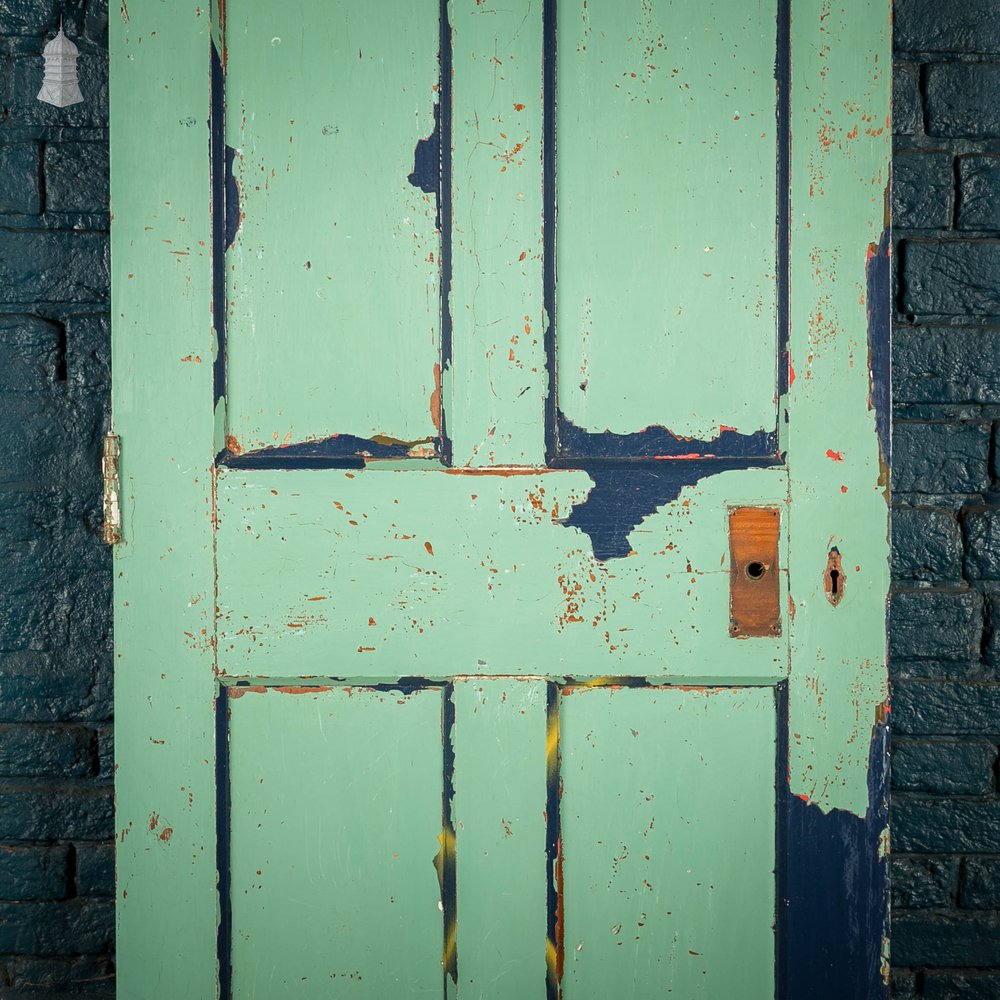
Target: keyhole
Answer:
pixel 833 578
pixel 755 570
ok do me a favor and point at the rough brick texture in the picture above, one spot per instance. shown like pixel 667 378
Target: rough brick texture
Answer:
pixel 56 854
pixel 945 637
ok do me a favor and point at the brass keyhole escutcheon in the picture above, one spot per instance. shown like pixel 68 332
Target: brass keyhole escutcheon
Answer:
pixel 833 578
pixel 755 570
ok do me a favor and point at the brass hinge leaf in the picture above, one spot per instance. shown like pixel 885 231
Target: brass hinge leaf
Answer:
pixel 112 490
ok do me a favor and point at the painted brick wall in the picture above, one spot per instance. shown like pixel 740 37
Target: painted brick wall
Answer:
pixel 55 664
pixel 56 855
pixel 945 639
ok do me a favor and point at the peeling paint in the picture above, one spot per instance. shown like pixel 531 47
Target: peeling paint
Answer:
pixel 878 301
pixel 233 214
pixel 426 174
pixel 575 443
pixel 832 917
pixel 622 497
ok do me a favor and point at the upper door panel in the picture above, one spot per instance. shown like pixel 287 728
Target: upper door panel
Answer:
pixel 333 275
pixel 666 175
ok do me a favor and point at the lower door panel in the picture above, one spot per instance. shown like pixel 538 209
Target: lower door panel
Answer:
pixel 498 838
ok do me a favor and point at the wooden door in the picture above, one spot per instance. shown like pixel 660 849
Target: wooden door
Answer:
pixel 500 600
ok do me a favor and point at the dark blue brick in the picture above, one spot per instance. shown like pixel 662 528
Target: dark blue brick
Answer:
pixel 34 872
pixel 946 364
pixel 940 458
pixel 965 985
pixel 944 768
pixel 941 670
pixel 37 751
pixel 96 21
pixel 944 708
pixel 44 266
pixel 95 869
pixel 919 883
pixel 88 352
pixel 41 687
pixel 963 99
pixel 982 543
pixel 902 985
pixel 947 939
pixel 922 183
pixel 935 625
pixel 907 111
pixel 77 927
pixel 35 612
pixel 58 978
pixel 945 826
pixel 980 888
pixel 19 187
pixel 979 192
pixel 83 812
pixel 29 17
pixel 926 545
pixel 946 26
pixel 106 752
pixel 35 447
pixel 29 354
pixel 950 278
pixel 992 656
pixel 76 177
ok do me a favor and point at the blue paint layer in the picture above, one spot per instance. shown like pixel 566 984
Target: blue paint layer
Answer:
pixel 232 199
pixel 340 450
pixel 623 495
pixel 221 169
pixel 879 304
pixel 426 173
pixel 653 442
pixel 833 894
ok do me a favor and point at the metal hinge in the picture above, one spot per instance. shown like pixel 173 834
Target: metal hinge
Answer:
pixel 112 490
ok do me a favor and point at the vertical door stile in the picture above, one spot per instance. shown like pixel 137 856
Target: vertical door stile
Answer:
pixel 162 349
pixel 499 810
pixel 838 460
pixel 498 369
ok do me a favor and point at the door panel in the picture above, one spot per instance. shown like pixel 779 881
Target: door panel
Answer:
pixel 667 828
pixel 666 181
pixel 496 381
pixel 335 264
pixel 444 571
pixel 335 821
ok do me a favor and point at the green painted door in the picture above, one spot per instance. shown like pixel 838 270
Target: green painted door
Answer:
pixel 500 592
